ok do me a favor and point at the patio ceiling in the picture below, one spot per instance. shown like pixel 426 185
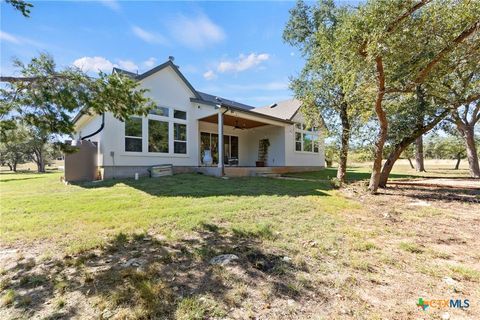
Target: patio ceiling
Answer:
pixel 234 121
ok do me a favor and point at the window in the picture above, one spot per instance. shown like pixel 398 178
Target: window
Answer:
pixel 298 141
pixel 157 136
pixel 306 139
pixel 179 138
pixel 160 111
pixel 177 114
pixel 133 134
pixel 165 131
pixel 209 141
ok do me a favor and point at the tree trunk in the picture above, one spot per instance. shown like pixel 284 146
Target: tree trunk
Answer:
pixel 40 161
pixel 14 167
pixel 10 167
pixel 419 163
pixel 459 158
pixel 392 158
pixel 41 166
pixel 472 155
pixel 420 96
pixel 342 165
pixel 404 143
pixel 411 164
pixel 382 133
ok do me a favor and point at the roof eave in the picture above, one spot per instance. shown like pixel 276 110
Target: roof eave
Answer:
pixel 223 105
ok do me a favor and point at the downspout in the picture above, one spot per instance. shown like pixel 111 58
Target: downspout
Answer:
pixel 94 133
pixel 99 129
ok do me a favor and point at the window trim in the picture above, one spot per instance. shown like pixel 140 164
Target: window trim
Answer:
pixel 303 131
pixel 148 136
pixel 171 139
pixel 132 137
pixel 175 140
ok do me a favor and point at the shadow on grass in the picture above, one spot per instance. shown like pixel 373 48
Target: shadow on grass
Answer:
pixel 439 194
pixel 197 185
pixel 17 179
pixel 142 276
pixel 352 175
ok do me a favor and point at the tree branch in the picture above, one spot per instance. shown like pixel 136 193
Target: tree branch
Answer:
pixel 394 24
pixel 459 39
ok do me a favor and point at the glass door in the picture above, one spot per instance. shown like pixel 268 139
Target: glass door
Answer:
pixel 209 141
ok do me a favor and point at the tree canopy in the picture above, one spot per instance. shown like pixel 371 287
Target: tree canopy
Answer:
pixel 47 98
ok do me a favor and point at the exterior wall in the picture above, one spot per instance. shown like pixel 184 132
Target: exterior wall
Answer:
pixel 276 151
pixel 118 172
pixel 298 158
pixel 166 90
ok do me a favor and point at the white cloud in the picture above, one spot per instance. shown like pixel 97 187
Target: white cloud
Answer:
pixel 111 4
pixel 242 63
pixel 148 36
pixel 95 64
pixel 210 75
pixel 18 40
pixel 5 36
pixel 150 62
pixel 196 32
pixel 128 65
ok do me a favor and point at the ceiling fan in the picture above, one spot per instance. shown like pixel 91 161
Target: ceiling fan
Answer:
pixel 237 126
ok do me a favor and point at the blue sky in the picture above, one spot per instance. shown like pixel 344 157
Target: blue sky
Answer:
pixel 230 49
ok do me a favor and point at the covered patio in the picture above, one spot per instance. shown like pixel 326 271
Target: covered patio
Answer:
pixel 234 136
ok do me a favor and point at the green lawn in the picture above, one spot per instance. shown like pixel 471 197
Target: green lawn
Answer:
pixel 304 250
pixel 77 217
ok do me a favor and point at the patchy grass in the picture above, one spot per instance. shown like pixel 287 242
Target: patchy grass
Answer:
pixel 8 298
pixel 411 247
pixel 465 272
pixel 126 249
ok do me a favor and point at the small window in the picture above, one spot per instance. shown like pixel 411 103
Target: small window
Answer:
pixel 133 134
pixel 157 136
pixel 179 138
pixel 298 146
pixel 177 114
pixel 160 111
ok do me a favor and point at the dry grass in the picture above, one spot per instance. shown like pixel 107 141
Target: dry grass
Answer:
pixel 305 251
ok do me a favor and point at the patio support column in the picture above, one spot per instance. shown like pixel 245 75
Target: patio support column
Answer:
pixel 220 143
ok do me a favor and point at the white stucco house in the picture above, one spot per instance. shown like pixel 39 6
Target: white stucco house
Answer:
pixel 187 122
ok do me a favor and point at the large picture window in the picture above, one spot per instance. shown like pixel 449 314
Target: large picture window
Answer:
pixel 157 136
pixel 306 139
pixel 163 131
pixel 133 134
